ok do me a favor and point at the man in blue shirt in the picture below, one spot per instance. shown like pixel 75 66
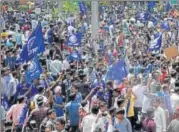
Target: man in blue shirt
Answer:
pixel 72 113
pixel 19 39
pixel 122 124
pixel 75 89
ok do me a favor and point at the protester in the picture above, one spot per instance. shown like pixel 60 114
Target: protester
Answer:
pixel 72 76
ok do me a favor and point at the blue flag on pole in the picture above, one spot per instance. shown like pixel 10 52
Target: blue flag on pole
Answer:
pixel 74 40
pixel 165 25
pixel 23 115
pixel 168 7
pixel 74 56
pixel 117 71
pixel 151 5
pixel 144 16
pixel 34 70
pixel 156 43
pixel 83 7
pixel 34 45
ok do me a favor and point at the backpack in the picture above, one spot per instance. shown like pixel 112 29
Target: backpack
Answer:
pixel 43 125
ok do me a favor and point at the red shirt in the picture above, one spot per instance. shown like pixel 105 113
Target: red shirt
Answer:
pixel 163 76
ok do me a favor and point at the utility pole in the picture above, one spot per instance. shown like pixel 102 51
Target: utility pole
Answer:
pixel 94 18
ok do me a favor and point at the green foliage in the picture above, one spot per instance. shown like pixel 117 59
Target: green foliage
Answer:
pixel 70 7
pixel 24 7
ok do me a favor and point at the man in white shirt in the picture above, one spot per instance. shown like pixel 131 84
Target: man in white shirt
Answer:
pixel 89 122
pixel 159 116
pixel 175 98
pixel 55 66
pixel 34 24
pixel 71 29
pixel 65 65
pixel 138 89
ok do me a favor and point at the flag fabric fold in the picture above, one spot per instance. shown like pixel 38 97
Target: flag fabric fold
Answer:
pixel 74 56
pixel 168 7
pixel 151 5
pixel 156 43
pixel 117 71
pixel 165 25
pixel 34 70
pixel 74 40
pixel 83 7
pixel 35 45
pixel 144 16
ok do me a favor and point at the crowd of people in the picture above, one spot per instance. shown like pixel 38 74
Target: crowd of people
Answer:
pixel 80 95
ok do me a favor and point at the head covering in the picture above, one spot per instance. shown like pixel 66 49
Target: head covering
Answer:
pixel 57 89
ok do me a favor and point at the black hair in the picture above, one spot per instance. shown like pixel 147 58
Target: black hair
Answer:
pixel 21 99
pixel 61 120
pixel 40 89
pixel 83 103
pixel 72 96
pixel 50 111
pixel 120 101
pixel 120 111
pixel 95 110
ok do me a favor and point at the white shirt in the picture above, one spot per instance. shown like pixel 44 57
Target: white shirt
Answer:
pixel 174 101
pixel 12 86
pixel 55 67
pixel 138 90
pixel 71 29
pixel 89 123
pixel 160 119
pixel 65 65
pixel 34 24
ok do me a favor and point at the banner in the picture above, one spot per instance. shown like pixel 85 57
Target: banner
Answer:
pixel 171 52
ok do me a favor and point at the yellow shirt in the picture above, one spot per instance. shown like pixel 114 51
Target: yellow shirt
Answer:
pixel 4 34
pixel 131 107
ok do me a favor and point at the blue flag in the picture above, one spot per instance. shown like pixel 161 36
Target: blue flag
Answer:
pixel 156 43
pixel 144 16
pixel 168 7
pixel 165 25
pixel 34 45
pixel 74 40
pixel 117 71
pixel 151 5
pixel 154 20
pixel 74 56
pixel 23 115
pixel 34 70
pixel 83 7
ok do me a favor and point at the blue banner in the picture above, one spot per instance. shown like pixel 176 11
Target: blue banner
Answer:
pixel 74 40
pixel 34 45
pixel 156 43
pixel 34 70
pixel 117 71
pixel 74 56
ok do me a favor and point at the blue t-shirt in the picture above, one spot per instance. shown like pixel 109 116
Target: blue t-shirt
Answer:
pixel 123 126
pixel 59 101
pixel 78 98
pixel 19 39
pixel 72 110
